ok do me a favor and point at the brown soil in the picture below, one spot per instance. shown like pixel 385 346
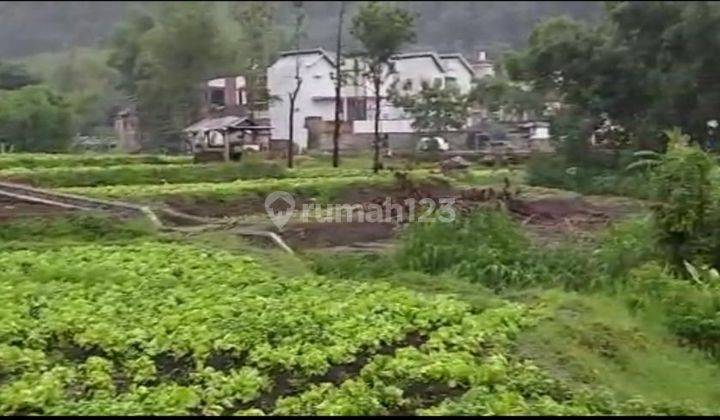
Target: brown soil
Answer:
pixel 558 211
pixel 12 209
pixel 320 235
pixel 547 218
pixel 216 208
pixel 552 219
pixel 255 204
pixel 172 367
pixel 287 384
pixel 397 192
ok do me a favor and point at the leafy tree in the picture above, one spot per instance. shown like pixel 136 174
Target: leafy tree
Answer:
pixel 126 45
pixel 647 65
pixel 35 119
pixel 260 41
pixel 88 84
pixel 179 52
pixel 435 109
pixel 382 29
pixel 499 94
pixel 15 76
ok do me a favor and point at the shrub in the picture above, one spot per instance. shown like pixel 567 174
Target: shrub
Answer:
pixel 692 312
pixel 625 246
pixel 590 178
pixel 35 119
pixel 688 216
pixel 489 248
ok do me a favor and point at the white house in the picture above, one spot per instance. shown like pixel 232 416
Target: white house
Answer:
pixel 459 71
pixel 316 97
pixel 410 71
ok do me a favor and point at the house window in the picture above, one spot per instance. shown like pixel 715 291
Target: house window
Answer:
pixel 217 97
pixel 450 81
pixel 357 109
pixel 437 82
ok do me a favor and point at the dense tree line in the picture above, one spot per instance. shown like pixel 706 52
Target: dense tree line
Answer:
pixel 646 65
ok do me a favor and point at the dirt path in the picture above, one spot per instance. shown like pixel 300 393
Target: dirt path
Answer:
pixel 324 235
pixel 11 209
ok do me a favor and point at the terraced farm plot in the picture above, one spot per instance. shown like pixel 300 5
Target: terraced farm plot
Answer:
pixel 39 160
pixel 159 174
pixel 157 328
pixel 225 190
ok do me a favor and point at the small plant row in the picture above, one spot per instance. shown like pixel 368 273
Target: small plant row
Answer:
pixel 309 186
pixel 40 160
pixel 153 174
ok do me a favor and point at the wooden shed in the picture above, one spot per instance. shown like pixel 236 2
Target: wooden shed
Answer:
pixel 225 138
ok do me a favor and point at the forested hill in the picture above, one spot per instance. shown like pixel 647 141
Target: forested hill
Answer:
pixel 28 28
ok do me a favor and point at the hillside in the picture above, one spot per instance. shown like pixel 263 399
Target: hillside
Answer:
pixel 28 28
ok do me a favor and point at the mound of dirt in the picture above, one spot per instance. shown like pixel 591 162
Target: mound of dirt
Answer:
pixel 203 207
pixel 557 210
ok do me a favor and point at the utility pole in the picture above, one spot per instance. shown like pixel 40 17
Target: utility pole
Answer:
pixel 338 85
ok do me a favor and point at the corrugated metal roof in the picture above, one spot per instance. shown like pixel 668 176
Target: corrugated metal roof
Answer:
pixel 222 123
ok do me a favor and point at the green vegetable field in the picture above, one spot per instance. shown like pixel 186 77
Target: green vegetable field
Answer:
pixel 104 315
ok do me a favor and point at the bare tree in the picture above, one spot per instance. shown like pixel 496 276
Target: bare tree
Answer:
pixel 382 29
pixel 300 16
pixel 338 85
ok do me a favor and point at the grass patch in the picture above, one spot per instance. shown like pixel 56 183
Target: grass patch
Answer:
pixel 595 339
pixel 86 227
pixel 489 248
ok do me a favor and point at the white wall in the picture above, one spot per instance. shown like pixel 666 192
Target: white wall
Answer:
pixel 455 68
pixel 483 69
pixel 417 70
pixel 386 126
pixel 316 82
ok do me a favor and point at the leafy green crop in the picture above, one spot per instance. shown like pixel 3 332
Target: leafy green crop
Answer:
pixel 228 189
pixel 163 329
pixel 40 160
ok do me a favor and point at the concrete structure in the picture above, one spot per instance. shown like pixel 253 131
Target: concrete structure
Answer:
pixel 127 129
pixel 224 96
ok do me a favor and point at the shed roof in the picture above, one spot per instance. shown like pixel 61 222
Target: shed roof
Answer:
pixel 221 123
